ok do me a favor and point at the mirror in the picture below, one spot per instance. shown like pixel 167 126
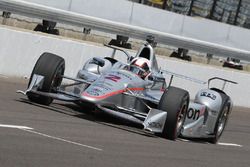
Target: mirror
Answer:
pixel 155 78
pixel 98 61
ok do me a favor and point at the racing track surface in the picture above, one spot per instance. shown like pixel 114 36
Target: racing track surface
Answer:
pixel 64 135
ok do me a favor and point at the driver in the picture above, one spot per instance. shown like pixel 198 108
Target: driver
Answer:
pixel 140 66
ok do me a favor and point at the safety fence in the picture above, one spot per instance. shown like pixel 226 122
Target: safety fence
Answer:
pixel 234 12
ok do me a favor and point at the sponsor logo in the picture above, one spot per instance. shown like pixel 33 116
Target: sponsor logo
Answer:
pixel 155 125
pixel 209 95
pixel 124 75
pixel 94 92
pixel 193 114
pixel 113 78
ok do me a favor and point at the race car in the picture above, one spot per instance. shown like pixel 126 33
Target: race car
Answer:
pixel 233 63
pixel 135 91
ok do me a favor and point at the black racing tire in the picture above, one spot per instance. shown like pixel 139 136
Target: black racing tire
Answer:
pixel 52 68
pixel 221 123
pixel 240 67
pixel 175 102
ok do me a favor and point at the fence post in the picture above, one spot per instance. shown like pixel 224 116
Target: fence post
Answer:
pixel 191 7
pixel 237 12
pixel 212 10
pixel 164 4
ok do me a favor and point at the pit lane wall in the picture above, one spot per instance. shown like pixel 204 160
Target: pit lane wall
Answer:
pixel 19 51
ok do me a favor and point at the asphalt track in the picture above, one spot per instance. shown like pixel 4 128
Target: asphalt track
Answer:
pixel 65 135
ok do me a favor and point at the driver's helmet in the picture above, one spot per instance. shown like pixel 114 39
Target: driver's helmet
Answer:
pixel 140 66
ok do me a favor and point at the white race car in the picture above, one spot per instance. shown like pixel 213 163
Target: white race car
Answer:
pixel 134 91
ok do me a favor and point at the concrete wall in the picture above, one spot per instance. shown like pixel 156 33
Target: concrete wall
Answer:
pixel 20 50
pixel 144 16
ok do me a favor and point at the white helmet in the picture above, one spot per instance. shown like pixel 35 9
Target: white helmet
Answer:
pixel 140 66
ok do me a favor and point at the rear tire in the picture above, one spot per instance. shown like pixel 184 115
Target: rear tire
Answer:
pixel 175 102
pixel 220 124
pixel 51 67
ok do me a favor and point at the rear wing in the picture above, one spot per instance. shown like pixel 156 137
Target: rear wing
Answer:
pixel 196 80
pixel 221 79
pixel 181 76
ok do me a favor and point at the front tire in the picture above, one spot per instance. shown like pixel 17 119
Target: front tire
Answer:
pixel 175 102
pixel 52 68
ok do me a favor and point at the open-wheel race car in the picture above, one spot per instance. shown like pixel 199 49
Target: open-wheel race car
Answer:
pixel 135 91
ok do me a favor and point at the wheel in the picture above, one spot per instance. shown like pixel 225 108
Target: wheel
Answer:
pixel 220 124
pixel 51 67
pixel 175 102
pixel 240 67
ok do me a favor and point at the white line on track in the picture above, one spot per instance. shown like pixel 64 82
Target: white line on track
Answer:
pixel 30 130
pixel 15 127
pixel 230 144
pixel 63 140
pixel 222 144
